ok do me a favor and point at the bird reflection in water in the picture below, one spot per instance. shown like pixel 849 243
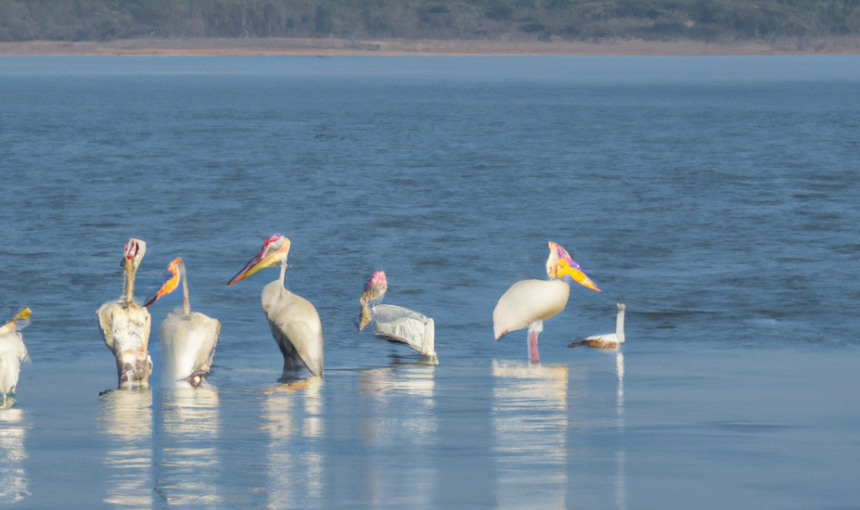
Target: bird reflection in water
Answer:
pixel 187 474
pixel 399 408
pixel 531 452
pixel 13 476
pixel 620 469
pixel 125 419
pixel 293 418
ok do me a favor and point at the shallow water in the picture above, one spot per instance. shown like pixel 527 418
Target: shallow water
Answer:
pixel 716 197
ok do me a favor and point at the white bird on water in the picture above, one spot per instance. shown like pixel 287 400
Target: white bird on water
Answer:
pixel 529 302
pixel 187 338
pixel 395 323
pixel 12 354
pixel 125 325
pixel 294 321
pixel 608 341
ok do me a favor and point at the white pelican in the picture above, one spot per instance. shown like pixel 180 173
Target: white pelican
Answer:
pixel 294 321
pixel 187 339
pixel 395 323
pixel 609 341
pixel 529 302
pixel 12 354
pixel 125 324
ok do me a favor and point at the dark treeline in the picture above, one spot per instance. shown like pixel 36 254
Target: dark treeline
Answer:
pixel 710 20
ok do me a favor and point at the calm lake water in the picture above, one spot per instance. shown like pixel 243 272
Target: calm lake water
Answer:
pixel 717 197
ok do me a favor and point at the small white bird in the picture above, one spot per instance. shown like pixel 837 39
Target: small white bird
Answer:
pixel 395 323
pixel 294 321
pixel 12 354
pixel 187 338
pixel 609 341
pixel 125 324
pixel 529 302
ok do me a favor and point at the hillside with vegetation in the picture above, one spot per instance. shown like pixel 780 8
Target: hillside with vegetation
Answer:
pixel 706 20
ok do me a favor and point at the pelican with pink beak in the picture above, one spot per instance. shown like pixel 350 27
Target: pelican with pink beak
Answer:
pixel 394 323
pixel 294 321
pixel 530 302
pixel 187 338
pixel 125 325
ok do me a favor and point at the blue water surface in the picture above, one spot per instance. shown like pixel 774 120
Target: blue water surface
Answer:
pixel 717 197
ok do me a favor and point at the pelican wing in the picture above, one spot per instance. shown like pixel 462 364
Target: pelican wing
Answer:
pixel 124 328
pixel 126 333
pixel 528 301
pixel 12 344
pixel 187 344
pixel 12 354
pixel 296 327
pixel 401 325
pixel 609 342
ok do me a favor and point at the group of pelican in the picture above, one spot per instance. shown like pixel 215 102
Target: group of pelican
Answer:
pixel 188 339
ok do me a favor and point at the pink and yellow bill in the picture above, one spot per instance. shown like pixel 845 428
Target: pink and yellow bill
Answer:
pixel 560 265
pixel 274 249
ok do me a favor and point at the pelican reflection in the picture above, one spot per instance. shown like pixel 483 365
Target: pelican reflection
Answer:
pixel 13 475
pixel 392 388
pixel 293 418
pixel 399 411
pixel 125 418
pixel 188 471
pixel 530 423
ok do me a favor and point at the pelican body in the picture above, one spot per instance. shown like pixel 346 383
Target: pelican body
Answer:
pixel 294 321
pixel 527 303
pixel 125 325
pixel 12 354
pixel 395 323
pixel 610 341
pixel 187 338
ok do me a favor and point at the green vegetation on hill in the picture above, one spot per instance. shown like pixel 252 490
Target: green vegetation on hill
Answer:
pixel 710 20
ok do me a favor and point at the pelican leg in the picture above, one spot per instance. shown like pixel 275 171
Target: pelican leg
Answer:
pixel 534 330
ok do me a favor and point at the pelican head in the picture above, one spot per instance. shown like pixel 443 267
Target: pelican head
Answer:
pixel 374 289
pixel 171 284
pixel 22 320
pixel 19 322
pixel 134 251
pixel 560 266
pixel 132 255
pixel 275 249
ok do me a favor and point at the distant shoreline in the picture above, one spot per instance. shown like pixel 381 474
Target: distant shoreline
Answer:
pixel 400 47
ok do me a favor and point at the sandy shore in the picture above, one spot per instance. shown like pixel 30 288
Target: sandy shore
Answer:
pixel 394 47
